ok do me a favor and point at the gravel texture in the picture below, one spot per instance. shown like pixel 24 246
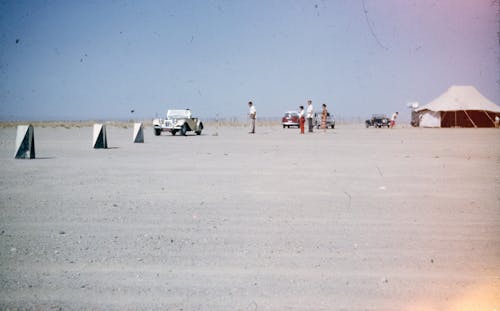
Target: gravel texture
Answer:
pixel 350 219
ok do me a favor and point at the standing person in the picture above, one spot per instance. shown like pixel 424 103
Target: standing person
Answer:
pixel 393 119
pixel 252 114
pixel 302 119
pixel 324 115
pixel 310 115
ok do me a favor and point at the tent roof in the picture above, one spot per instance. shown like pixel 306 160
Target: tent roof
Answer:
pixel 461 98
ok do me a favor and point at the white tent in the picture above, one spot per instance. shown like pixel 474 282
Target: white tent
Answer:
pixel 461 106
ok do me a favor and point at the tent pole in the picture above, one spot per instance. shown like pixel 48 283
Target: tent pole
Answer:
pixel 470 119
pixel 489 117
pixel 455 118
pixel 442 118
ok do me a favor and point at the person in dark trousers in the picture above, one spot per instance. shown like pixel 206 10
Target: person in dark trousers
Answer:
pixel 252 114
pixel 310 115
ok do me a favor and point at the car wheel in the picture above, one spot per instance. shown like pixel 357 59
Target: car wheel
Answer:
pixel 184 129
pixel 173 132
pixel 333 126
pixel 157 132
pixel 200 128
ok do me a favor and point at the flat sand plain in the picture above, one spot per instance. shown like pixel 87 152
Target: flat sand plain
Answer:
pixel 350 219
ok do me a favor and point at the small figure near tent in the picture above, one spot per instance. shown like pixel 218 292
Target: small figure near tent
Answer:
pixel 497 121
pixel 393 119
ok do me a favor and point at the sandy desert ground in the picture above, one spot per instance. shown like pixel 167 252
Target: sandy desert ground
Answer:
pixel 354 219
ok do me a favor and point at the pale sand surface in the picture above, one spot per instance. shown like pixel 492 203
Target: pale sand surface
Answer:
pixel 354 219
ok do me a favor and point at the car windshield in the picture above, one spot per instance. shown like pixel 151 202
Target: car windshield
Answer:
pixel 291 114
pixel 177 114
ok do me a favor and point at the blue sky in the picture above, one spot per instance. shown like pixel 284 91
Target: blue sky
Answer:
pixel 100 59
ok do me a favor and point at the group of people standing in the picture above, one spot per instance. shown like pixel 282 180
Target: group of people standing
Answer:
pixel 308 114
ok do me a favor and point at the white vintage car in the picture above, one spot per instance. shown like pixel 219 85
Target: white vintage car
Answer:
pixel 178 120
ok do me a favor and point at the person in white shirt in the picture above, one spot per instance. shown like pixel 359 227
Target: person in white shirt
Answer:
pixel 393 119
pixel 252 114
pixel 310 115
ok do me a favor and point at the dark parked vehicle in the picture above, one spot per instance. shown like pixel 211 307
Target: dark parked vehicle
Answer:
pixel 378 120
pixel 330 121
pixel 291 118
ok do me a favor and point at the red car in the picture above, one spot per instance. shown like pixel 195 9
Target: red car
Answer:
pixel 291 118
